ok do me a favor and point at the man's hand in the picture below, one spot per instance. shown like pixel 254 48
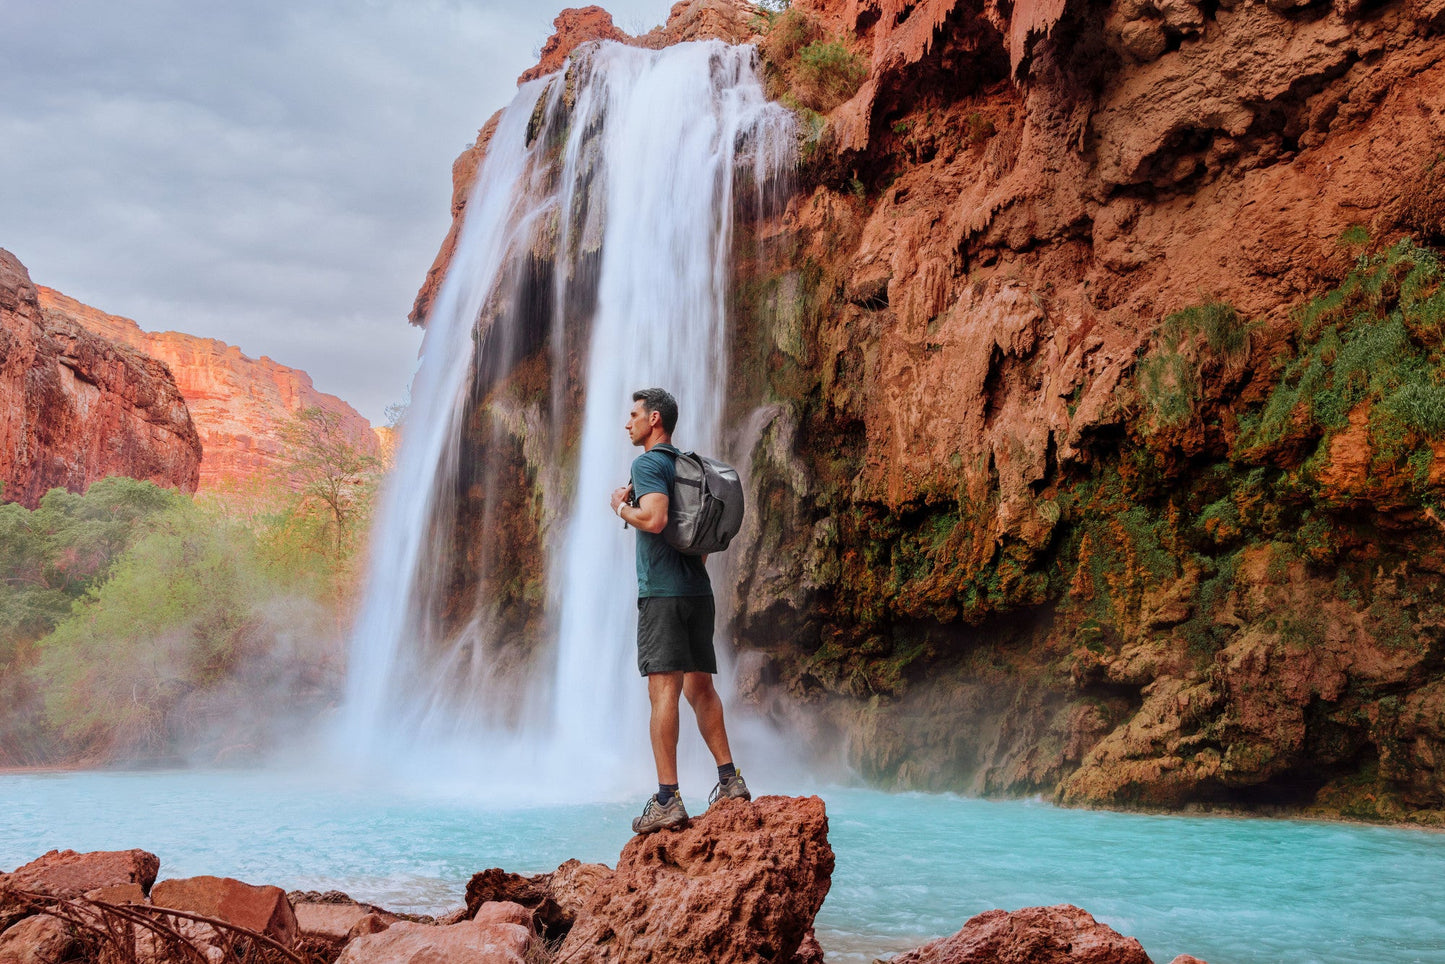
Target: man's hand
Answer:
pixel 620 495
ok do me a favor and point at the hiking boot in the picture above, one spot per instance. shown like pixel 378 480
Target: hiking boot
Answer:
pixel 733 788
pixel 656 816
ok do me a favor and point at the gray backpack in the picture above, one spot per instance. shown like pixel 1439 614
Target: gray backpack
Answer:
pixel 705 510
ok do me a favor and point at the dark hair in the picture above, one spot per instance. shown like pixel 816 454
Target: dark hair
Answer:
pixel 659 400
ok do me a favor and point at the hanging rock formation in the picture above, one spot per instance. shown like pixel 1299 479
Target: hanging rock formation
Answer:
pixel 1045 500
pixel 76 407
pixel 239 404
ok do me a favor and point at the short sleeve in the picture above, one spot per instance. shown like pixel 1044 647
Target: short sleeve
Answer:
pixel 649 474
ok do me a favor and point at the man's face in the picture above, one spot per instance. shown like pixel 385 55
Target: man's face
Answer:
pixel 639 423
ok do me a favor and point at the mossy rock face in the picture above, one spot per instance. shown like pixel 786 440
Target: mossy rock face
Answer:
pixel 1275 486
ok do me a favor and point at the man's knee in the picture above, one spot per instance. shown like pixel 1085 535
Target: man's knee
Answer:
pixel 698 688
pixel 662 687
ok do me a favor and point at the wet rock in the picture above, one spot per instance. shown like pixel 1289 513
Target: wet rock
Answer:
pixel 263 909
pixel 741 883
pixel 1063 934
pixel 490 941
pixel 41 939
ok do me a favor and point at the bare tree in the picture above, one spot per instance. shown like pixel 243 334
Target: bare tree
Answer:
pixel 327 466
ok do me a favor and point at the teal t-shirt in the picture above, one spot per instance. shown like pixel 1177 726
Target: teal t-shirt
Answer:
pixel 661 569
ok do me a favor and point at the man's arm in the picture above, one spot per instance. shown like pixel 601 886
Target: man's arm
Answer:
pixel 650 513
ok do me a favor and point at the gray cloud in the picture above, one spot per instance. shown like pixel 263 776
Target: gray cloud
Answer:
pixel 272 174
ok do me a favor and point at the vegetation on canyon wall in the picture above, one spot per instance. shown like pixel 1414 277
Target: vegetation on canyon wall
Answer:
pixel 137 622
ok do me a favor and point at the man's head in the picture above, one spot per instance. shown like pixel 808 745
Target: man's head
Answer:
pixel 654 413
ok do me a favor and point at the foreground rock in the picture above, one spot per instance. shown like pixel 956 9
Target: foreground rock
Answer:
pixel 262 909
pixel 41 939
pixel 1063 934
pixel 76 407
pixel 503 934
pixel 554 899
pixel 742 883
pixel 338 921
pixel 65 873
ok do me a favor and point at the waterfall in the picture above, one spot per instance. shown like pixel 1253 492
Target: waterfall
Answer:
pixel 594 259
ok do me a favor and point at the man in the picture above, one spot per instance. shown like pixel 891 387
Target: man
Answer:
pixel 674 618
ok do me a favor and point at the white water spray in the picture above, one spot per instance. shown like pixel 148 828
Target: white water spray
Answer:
pixel 621 179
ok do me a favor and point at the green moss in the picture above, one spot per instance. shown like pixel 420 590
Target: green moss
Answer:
pixel 1170 374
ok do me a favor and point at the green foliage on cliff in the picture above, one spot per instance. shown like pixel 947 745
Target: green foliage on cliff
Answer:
pixel 804 68
pixel 831 70
pixel 1375 348
pixel 134 620
pixel 51 556
pixel 1170 376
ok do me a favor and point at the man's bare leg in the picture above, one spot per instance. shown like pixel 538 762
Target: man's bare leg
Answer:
pixel 708 707
pixel 663 689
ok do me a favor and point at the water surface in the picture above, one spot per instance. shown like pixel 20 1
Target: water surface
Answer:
pixel 910 867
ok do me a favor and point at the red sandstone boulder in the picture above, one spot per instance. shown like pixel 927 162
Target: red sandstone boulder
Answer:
pixel 335 922
pixel 41 939
pixel 65 873
pixel 263 909
pixel 554 899
pixel 742 883
pixel 1063 934
pixel 496 939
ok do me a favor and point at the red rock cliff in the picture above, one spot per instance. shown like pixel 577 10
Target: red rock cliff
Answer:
pixel 1072 477
pixel 76 407
pixel 238 403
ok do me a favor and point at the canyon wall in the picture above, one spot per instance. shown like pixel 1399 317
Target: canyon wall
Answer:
pixel 239 404
pixel 75 407
pixel 1089 391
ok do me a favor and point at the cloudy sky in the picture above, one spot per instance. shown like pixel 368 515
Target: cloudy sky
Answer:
pixel 273 174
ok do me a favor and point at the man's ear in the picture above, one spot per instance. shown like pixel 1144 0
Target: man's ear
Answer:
pixel 654 418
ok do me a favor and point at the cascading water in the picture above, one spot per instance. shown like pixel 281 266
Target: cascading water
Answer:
pixel 601 220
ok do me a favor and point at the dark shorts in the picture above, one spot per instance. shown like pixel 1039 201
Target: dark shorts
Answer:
pixel 674 634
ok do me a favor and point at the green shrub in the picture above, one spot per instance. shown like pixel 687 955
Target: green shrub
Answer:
pixel 831 71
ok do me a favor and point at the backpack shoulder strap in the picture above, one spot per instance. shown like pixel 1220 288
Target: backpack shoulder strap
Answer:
pixel 667 447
